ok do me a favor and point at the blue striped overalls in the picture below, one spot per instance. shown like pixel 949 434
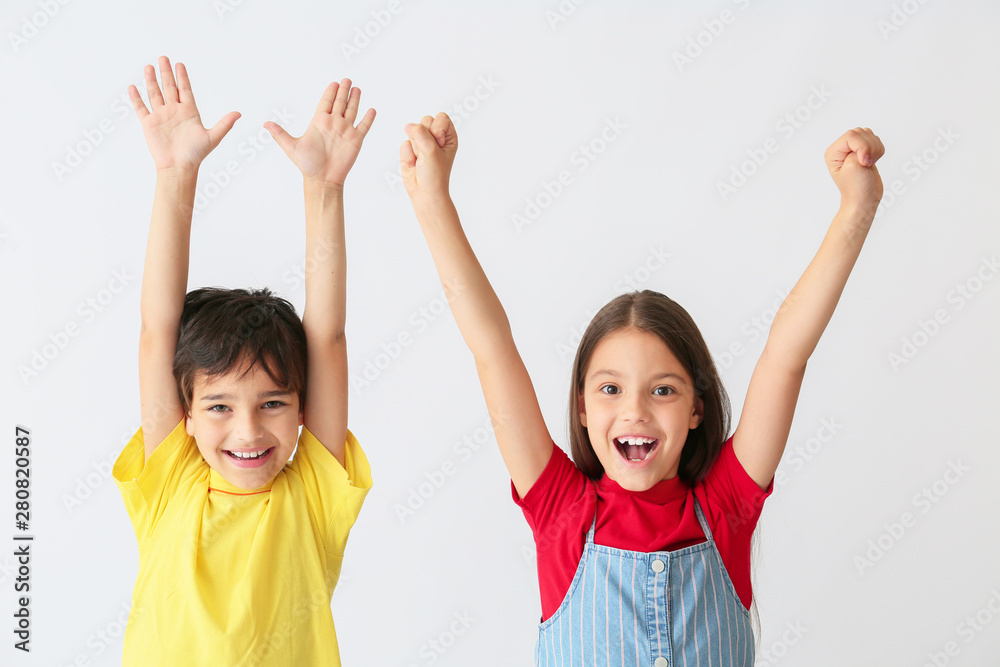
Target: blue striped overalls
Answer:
pixel 658 609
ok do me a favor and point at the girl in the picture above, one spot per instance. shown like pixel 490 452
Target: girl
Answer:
pixel 643 545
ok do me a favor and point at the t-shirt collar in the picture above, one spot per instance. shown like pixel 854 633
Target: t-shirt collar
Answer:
pixel 661 493
pixel 217 482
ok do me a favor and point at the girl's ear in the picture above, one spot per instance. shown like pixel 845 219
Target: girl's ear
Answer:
pixel 698 414
pixel 188 424
pixel 582 409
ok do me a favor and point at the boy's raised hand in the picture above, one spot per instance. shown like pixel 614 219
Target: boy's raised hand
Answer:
pixel 173 129
pixel 426 158
pixel 851 161
pixel 331 143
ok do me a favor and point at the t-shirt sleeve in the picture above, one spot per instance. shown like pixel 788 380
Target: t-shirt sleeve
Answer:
pixel 147 485
pixel 557 498
pixel 334 493
pixel 732 490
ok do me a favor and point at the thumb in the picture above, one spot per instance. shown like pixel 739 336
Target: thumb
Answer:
pixel 407 158
pixel 421 139
pixel 222 128
pixel 282 138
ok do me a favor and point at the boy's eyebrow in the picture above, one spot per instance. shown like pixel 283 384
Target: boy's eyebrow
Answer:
pixel 229 397
pixel 661 376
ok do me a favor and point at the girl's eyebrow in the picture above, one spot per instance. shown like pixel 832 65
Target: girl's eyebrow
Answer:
pixel 661 376
pixel 230 397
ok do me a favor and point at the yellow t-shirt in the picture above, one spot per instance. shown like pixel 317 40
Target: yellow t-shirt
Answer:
pixel 232 577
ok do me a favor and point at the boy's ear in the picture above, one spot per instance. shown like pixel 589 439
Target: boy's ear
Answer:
pixel 302 414
pixel 582 409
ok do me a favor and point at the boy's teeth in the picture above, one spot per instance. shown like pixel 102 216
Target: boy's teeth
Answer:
pixel 249 455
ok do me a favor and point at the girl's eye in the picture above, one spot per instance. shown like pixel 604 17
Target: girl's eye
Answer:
pixel 665 391
pixel 213 408
pixel 609 386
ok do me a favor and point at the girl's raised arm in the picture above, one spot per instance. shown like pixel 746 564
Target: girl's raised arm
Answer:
pixel 425 162
pixel 760 438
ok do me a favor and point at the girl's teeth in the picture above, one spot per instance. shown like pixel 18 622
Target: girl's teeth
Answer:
pixel 636 448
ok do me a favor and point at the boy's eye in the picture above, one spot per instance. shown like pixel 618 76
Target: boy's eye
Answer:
pixel 213 408
pixel 274 404
pixel 666 391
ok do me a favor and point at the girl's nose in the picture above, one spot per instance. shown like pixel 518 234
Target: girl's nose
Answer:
pixel 635 409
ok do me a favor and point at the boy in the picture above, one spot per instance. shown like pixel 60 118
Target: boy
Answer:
pixel 240 549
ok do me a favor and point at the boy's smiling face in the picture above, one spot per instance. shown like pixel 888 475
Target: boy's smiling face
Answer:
pixel 246 428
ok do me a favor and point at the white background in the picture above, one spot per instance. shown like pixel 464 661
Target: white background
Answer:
pixel 911 71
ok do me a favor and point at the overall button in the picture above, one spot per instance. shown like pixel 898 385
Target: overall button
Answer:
pixel 658 567
pixel 661 661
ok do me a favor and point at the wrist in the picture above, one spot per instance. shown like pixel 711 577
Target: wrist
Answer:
pixel 178 174
pixel 319 185
pixel 431 201
pixel 860 211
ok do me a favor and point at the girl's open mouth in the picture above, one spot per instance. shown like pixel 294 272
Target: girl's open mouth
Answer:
pixel 636 449
pixel 246 458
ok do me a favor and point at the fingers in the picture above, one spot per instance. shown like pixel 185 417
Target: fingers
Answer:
pixel 326 102
pixel 407 158
pixel 441 127
pixel 152 89
pixel 167 79
pixel 421 139
pixel 869 147
pixel 184 85
pixel 282 138
pixel 438 129
pixel 366 122
pixel 340 101
pixel 861 141
pixel 140 108
pixel 353 101
pixel 222 128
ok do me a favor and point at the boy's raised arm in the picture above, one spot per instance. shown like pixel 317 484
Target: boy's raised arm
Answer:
pixel 760 437
pixel 178 143
pixel 425 163
pixel 325 154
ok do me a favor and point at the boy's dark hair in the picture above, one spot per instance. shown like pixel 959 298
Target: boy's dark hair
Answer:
pixel 224 329
pixel 659 315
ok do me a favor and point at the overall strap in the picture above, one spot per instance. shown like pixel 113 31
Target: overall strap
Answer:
pixel 701 518
pixel 593 525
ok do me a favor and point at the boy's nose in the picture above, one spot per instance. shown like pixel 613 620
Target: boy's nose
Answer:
pixel 249 430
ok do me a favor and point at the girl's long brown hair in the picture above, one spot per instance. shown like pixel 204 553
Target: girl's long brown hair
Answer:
pixel 662 316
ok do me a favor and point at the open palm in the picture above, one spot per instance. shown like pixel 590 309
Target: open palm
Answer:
pixel 330 145
pixel 173 129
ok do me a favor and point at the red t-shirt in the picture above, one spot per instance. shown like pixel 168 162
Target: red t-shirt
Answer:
pixel 560 506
